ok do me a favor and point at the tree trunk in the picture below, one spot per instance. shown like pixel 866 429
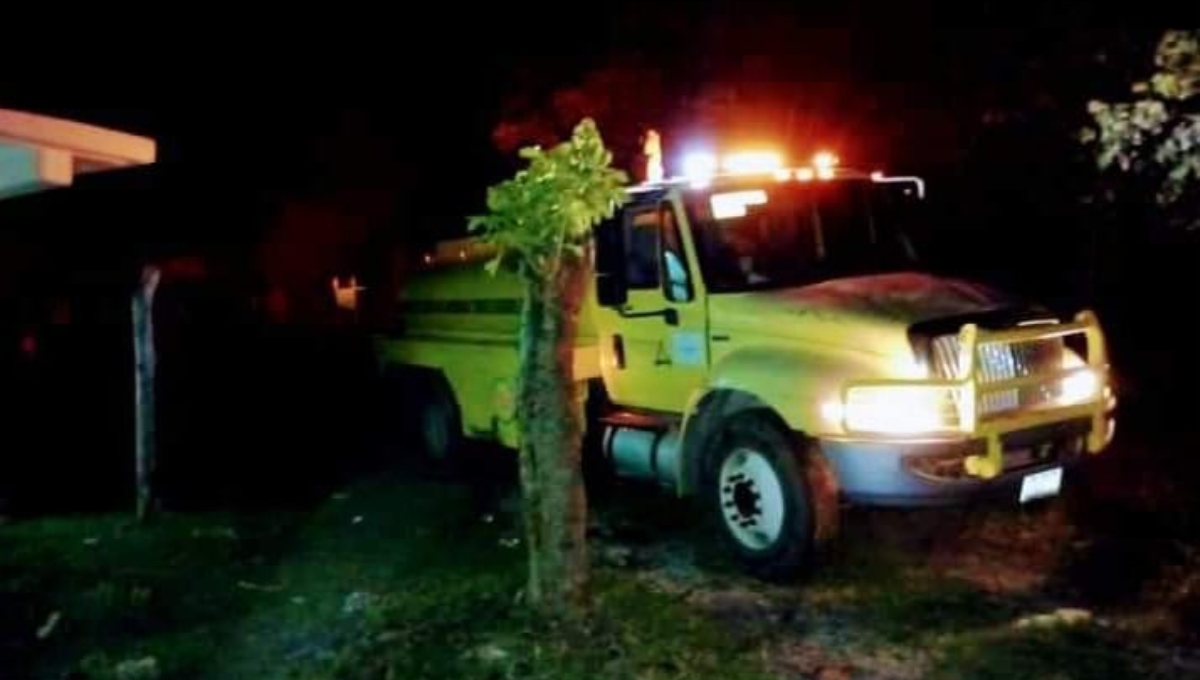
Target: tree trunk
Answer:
pixel 550 409
pixel 143 387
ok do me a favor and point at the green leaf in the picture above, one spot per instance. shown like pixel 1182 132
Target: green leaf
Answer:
pixel 1166 85
pixel 493 265
pixel 1155 136
pixel 546 210
pixel 478 222
pixel 530 152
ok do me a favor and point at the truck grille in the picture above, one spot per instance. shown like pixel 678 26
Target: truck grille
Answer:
pixel 995 362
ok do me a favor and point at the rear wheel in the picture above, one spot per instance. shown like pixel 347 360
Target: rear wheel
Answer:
pixel 759 496
pixel 420 421
pixel 438 428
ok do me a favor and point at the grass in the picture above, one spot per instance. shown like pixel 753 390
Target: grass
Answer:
pixel 399 578
pixel 472 632
pixel 395 580
pixel 168 589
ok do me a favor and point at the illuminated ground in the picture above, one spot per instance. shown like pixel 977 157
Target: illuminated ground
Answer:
pixel 405 577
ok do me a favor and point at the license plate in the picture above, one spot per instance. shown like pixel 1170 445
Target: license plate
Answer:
pixel 1041 484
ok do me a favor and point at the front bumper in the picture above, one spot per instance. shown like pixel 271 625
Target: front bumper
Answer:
pixel 920 473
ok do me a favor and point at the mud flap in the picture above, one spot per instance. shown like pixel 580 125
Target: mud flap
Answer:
pixel 826 501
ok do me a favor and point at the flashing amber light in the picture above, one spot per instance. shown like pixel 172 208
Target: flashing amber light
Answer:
pixel 747 162
pixel 805 174
pixel 783 174
pixel 825 160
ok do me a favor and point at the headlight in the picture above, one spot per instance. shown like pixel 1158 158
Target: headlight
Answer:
pixel 1081 386
pixel 901 409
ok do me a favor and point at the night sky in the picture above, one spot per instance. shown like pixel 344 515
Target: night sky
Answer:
pixel 293 146
pixel 252 114
pixel 429 85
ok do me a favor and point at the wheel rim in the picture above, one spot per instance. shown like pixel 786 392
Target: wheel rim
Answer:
pixel 751 498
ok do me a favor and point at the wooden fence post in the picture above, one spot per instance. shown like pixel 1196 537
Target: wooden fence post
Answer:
pixel 143 381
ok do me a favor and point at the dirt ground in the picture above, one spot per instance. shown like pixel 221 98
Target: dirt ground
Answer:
pixel 988 592
pixel 401 576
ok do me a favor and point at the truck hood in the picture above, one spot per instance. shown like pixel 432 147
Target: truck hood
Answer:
pixel 868 313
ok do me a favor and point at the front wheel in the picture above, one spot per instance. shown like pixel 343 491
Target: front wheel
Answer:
pixel 760 497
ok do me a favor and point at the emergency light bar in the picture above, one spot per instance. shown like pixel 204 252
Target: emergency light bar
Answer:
pixel 752 162
pixel 701 167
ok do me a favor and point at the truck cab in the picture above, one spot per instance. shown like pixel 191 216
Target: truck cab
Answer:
pixel 763 337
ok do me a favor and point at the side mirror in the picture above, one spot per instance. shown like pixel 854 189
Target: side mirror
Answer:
pixel 611 288
pixel 610 291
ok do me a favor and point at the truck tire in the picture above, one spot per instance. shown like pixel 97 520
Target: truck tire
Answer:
pixel 436 424
pixel 759 496
pixel 420 422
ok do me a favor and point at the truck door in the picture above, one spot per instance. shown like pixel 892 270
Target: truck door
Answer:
pixel 656 345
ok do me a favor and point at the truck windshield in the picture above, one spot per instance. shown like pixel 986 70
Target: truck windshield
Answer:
pixel 784 235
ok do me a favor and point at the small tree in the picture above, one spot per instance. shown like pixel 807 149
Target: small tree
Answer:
pixel 540 221
pixel 1157 136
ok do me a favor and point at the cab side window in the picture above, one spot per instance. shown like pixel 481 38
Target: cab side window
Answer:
pixel 642 226
pixel 676 284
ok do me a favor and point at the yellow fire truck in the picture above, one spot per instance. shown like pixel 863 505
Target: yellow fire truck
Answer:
pixel 761 335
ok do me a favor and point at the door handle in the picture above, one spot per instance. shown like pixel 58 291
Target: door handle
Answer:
pixel 670 315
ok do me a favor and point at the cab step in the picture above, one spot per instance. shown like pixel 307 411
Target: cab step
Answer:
pixel 640 420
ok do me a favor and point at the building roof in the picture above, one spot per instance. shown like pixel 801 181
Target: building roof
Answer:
pixel 40 152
